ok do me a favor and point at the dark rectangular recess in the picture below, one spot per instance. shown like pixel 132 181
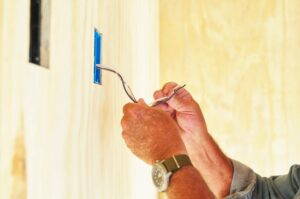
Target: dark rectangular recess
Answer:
pixel 35 31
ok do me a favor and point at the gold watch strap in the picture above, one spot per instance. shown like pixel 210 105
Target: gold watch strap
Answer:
pixel 176 162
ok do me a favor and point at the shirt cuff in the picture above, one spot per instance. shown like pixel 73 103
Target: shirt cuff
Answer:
pixel 243 182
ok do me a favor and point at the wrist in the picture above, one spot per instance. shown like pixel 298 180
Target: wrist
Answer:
pixel 215 167
pixel 177 147
pixel 163 170
pixel 188 183
pixel 174 152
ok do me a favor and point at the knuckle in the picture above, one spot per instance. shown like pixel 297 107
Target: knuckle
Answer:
pixel 128 107
pixel 124 135
pixel 123 122
pixel 171 84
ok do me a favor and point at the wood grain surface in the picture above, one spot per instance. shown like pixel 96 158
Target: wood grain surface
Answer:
pixel 60 134
pixel 68 127
pixel 240 60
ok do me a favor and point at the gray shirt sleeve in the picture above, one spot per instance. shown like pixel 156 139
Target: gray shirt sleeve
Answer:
pixel 246 184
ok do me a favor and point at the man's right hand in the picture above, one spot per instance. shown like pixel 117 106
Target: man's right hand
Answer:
pixel 185 111
pixel 215 167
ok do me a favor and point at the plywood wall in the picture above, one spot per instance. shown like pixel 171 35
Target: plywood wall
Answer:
pixel 240 59
pixel 60 134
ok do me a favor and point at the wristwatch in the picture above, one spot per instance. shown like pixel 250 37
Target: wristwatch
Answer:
pixel 162 170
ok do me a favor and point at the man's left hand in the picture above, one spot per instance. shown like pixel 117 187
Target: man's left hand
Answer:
pixel 150 133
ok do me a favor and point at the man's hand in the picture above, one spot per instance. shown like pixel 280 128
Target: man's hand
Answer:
pixel 153 135
pixel 205 154
pixel 150 133
pixel 186 112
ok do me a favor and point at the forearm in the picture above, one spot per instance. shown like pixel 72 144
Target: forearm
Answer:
pixel 187 183
pixel 215 167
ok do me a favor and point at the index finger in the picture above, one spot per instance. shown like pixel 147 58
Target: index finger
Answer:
pixel 169 87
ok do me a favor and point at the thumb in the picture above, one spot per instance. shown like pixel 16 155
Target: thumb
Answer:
pixel 181 100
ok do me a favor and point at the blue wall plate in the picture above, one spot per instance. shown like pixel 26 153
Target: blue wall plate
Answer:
pixel 97 56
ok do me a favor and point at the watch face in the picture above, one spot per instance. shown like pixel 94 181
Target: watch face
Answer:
pixel 160 177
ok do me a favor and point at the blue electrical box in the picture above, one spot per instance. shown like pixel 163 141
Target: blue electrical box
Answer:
pixel 97 56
